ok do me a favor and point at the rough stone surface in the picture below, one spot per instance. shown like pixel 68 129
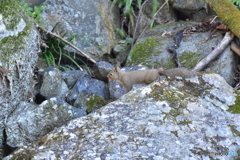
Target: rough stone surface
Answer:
pixel 53 85
pixel 71 77
pixel 94 21
pixel 19 42
pixel 34 2
pixel 89 102
pixel 151 50
pixel 91 86
pixel 169 119
pixel 225 64
pixel 188 6
pixel 101 69
pixel 35 121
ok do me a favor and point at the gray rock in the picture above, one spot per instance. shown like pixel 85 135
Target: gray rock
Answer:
pixel 116 89
pixel 35 121
pixel 89 102
pixel 151 51
pixel 119 53
pixel 190 52
pixel 187 6
pixel 20 45
pixel 169 119
pixel 53 85
pixel 91 86
pixel 34 2
pixel 71 77
pixel 101 69
pixel 94 20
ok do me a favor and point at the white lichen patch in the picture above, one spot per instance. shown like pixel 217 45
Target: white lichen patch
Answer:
pixel 146 90
pixel 5 33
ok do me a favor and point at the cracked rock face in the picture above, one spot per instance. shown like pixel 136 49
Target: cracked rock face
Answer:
pixel 93 21
pixel 170 119
pixel 19 50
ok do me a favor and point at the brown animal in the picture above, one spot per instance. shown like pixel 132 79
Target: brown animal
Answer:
pixel 180 72
pixel 128 79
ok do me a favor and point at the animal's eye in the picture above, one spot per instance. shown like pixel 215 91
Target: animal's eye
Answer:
pixel 110 74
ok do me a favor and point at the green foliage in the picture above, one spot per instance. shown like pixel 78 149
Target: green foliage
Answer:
pixel 128 40
pixel 34 13
pixel 127 8
pixel 54 53
pixel 154 10
pixel 236 3
pixel 129 5
pixel 121 32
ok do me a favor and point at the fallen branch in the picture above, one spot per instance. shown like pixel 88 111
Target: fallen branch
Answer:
pixel 68 43
pixel 235 48
pixel 219 49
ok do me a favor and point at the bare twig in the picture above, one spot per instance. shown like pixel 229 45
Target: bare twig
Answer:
pixel 138 19
pixel 219 49
pixel 235 48
pixel 68 43
pixel 152 19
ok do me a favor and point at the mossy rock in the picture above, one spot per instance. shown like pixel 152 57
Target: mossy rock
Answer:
pixel 189 59
pixel 94 103
pixel 151 50
pixel 236 107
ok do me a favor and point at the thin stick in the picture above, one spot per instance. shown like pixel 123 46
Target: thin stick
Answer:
pixel 235 48
pixel 219 49
pixel 68 43
pixel 152 19
pixel 138 19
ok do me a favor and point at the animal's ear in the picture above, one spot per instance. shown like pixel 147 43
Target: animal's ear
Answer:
pixel 118 64
pixel 117 69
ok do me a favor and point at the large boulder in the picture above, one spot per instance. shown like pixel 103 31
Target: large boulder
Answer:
pixel 94 21
pixel 170 119
pixel 19 41
pixel 152 49
pixel 35 121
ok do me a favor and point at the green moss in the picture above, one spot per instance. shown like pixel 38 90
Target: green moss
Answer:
pixel 189 59
pixel 184 122
pixel 236 107
pixel 26 154
pixel 172 96
pixel 110 149
pixel 143 50
pixel 170 64
pixel 177 99
pixel 175 133
pixel 228 14
pixel 235 132
pixel 12 13
pixel 94 103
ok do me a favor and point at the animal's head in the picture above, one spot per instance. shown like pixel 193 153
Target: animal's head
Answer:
pixel 114 74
